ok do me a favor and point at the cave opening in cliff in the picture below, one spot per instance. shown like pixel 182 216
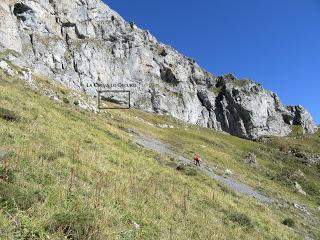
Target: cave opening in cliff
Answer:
pixel 20 10
pixel 168 76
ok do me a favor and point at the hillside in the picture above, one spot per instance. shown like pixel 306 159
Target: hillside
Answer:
pixel 68 172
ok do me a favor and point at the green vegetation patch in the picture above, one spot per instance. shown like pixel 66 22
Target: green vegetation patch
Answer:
pixel 14 197
pixel 8 52
pixel 296 130
pixel 242 83
pixel 187 170
pixel 216 90
pixel 6 174
pixel 242 219
pixel 8 115
pixel 79 224
pixel 288 222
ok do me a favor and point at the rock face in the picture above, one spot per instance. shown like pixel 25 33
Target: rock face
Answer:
pixel 83 42
pixel 299 116
pixel 299 189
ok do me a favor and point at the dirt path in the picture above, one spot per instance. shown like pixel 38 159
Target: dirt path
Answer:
pixel 242 188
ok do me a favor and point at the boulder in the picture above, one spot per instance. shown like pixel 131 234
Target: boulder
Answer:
pixel 4 66
pixel 228 172
pixel 297 174
pixel 135 225
pixel 301 208
pixel 299 188
pixel 251 159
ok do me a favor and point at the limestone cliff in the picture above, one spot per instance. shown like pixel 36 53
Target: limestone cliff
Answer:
pixel 82 42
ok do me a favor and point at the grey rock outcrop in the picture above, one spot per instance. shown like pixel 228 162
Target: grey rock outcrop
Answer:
pixel 251 159
pixel 80 43
pixel 299 116
pixel 299 189
pixel 6 68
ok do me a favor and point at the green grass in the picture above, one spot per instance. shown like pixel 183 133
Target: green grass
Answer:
pixel 76 174
pixel 296 130
pixel 242 83
pixel 216 90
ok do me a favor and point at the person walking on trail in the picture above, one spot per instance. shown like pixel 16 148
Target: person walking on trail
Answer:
pixel 197 160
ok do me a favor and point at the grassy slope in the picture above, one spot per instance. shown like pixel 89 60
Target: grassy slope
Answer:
pixel 70 172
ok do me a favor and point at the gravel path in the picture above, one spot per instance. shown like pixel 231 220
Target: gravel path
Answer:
pixel 242 188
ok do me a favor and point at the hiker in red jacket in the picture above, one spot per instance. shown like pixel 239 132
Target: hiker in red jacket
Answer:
pixel 197 160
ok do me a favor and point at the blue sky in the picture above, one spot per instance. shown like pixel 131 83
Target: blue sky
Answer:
pixel 274 42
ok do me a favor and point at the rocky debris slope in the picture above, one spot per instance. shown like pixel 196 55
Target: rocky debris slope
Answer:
pixel 82 43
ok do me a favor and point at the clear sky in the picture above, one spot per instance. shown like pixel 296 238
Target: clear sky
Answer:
pixel 274 42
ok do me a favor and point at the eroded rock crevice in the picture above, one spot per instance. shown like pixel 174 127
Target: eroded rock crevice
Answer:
pixel 22 11
pixel 168 76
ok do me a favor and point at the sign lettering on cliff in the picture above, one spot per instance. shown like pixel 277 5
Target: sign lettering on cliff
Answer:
pixel 111 85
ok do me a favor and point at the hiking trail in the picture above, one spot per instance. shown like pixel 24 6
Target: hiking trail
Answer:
pixel 160 147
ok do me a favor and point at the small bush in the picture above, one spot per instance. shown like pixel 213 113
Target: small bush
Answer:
pixel 64 91
pixel 288 222
pixel 241 219
pixel 66 100
pixel 75 225
pixel 181 168
pixel 191 171
pixel 76 103
pixel 187 170
pixel 7 175
pixel 8 115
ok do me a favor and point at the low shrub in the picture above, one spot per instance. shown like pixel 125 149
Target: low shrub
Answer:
pixel 187 170
pixel 66 100
pixel 180 167
pixel 288 222
pixel 191 171
pixel 8 115
pixel 241 219
pixel 7 175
